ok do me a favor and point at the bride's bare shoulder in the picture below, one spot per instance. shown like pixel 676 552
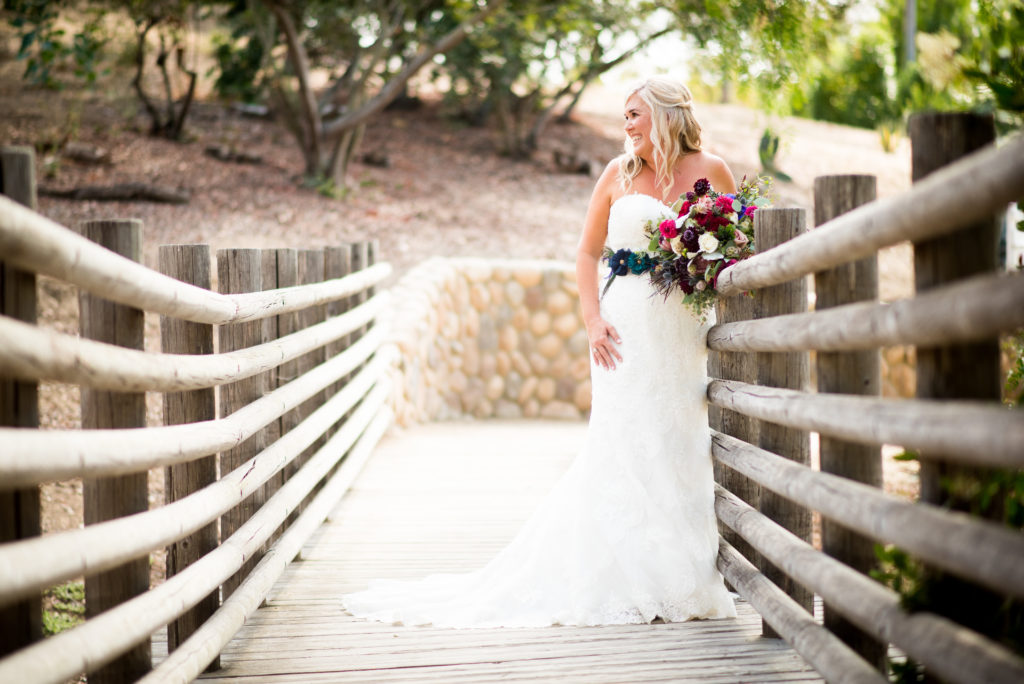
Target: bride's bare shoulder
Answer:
pixel 609 179
pixel 717 171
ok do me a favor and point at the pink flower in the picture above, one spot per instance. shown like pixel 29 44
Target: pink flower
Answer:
pixel 724 203
pixel 740 238
pixel 704 205
pixel 668 228
pixel 750 211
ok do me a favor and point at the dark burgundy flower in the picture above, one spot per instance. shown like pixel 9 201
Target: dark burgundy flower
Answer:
pixel 691 197
pixel 686 286
pixel 690 239
pixel 702 187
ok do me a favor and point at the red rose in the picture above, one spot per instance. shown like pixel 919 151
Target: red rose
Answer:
pixel 724 203
pixel 685 209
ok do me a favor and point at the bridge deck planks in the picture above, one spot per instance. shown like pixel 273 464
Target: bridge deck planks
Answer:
pixel 447 497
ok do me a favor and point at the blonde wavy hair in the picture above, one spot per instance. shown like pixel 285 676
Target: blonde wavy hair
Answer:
pixel 674 131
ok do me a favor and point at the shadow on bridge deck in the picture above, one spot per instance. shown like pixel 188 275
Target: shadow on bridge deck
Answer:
pixel 447 497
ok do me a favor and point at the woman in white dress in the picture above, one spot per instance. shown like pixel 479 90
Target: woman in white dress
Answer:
pixel 628 534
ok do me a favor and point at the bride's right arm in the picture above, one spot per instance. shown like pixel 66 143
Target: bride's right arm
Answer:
pixel 588 256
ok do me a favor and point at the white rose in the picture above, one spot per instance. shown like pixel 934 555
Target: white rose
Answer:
pixel 707 242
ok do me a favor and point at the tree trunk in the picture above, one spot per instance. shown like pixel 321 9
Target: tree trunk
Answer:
pixel 909 32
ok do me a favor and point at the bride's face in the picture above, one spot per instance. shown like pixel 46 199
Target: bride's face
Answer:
pixel 638 126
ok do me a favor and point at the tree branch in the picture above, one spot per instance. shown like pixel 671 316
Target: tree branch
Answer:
pixel 396 85
pixel 140 63
pixel 300 62
pixel 186 104
pixel 593 70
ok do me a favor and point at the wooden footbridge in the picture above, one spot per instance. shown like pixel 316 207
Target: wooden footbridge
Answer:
pixel 277 394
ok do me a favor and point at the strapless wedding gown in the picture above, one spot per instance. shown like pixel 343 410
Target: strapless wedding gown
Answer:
pixel 628 533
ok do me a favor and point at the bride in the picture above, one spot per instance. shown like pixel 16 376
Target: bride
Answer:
pixel 628 534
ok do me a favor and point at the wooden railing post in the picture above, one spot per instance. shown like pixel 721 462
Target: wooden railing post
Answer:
pixel 189 264
pixel 955 371
pixel 114 497
pixel 21 622
pixel 272 378
pixel 337 264
pixel 789 370
pixel 311 270
pixel 848 372
pixel 240 270
pixel 288 276
pixel 363 254
pixel 739 366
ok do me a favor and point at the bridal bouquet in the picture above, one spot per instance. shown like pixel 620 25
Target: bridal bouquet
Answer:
pixel 711 232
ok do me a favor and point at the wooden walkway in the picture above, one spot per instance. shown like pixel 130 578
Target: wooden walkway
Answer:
pixel 447 497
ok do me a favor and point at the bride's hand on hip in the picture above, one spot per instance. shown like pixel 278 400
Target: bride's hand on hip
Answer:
pixel 603 339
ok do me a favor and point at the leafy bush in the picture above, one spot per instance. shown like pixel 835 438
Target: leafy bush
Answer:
pixel 67 608
pixel 239 61
pixel 44 47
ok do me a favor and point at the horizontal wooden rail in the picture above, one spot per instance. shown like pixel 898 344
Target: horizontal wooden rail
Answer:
pixel 953 652
pixel 36 456
pixel 31 353
pixel 933 207
pixel 976 433
pixel 35 243
pixel 39 562
pixel 819 647
pixel 975 309
pixel 979 550
pixel 191 658
pixel 102 638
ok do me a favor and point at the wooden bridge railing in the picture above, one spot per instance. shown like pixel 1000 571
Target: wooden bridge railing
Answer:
pixel 301 388
pixel 763 413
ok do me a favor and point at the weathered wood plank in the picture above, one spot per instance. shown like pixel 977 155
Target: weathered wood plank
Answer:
pixel 38 562
pixel 955 653
pixel 848 372
pixel 36 353
pixel 977 549
pixel 958 370
pixel 20 517
pixel 742 367
pixel 35 243
pixel 240 270
pixel 791 370
pixel 108 498
pixel 423 503
pixel 977 433
pixel 972 309
pixel 190 264
pixel 39 456
pixel 932 207
pixel 100 639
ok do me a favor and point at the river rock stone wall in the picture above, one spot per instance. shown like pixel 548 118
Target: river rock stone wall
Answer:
pixel 484 338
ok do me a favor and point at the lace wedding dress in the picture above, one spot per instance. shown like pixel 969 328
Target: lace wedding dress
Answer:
pixel 628 533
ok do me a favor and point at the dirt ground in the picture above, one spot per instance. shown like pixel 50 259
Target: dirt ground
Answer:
pixel 445 192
